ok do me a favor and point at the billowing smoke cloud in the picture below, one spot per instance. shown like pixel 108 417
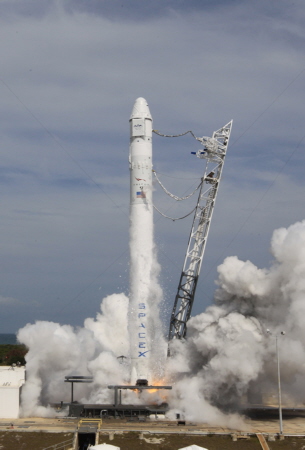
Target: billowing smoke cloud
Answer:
pixel 56 351
pixel 228 358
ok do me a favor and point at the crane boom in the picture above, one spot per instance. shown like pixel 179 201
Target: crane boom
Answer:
pixel 214 152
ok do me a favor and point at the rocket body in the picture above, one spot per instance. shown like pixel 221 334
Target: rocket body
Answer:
pixel 140 154
pixel 141 240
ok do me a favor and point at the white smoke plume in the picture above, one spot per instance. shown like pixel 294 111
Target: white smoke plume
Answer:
pixel 56 351
pixel 228 356
pixel 228 359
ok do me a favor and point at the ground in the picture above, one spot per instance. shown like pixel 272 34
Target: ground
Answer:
pixel 31 441
pixel 38 434
pixel 131 441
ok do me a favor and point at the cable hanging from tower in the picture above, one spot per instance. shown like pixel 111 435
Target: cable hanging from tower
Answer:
pixel 174 218
pixel 175 197
pixel 174 135
pixel 211 144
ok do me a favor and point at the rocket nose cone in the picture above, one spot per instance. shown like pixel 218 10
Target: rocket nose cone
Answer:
pixel 140 109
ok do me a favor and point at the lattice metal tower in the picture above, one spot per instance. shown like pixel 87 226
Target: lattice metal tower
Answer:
pixel 214 152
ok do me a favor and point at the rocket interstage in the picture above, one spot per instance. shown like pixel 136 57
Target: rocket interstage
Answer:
pixel 141 240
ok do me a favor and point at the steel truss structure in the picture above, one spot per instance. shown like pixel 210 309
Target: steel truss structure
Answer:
pixel 214 152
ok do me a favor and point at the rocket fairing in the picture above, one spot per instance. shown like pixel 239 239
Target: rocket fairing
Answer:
pixel 141 239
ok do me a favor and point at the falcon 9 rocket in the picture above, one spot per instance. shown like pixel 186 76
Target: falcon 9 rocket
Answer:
pixel 141 239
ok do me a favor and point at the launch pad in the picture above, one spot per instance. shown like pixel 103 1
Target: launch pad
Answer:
pixel 117 409
pixel 132 412
pixel 118 391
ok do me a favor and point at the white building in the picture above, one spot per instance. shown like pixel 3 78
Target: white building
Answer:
pixel 12 378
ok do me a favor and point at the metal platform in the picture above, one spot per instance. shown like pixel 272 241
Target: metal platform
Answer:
pixel 119 411
pixel 118 391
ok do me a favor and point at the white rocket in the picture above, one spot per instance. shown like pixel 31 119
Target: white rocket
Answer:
pixel 141 239
pixel 140 154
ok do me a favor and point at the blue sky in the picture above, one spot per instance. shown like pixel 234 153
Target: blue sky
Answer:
pixel 70 72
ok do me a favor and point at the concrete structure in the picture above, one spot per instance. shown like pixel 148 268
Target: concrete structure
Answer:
pixel 12 378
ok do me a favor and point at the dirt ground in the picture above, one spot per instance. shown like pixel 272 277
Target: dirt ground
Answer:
pixel 10 440
pixel 131 441
pixel 39 433
pixel 288 444
pixel 24 440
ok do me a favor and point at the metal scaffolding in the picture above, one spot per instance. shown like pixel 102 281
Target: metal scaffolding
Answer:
pixel 214 152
